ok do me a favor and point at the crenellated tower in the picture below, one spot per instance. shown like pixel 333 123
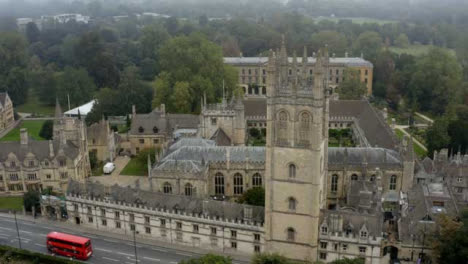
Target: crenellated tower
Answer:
pixel 295 171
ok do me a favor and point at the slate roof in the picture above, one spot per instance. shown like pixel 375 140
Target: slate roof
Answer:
pixel 370 156
pixel 348 61
pixel 165 124
pixel 221 138
pixel 40 149
pixel 218 154
pixel 353 221
pixel 200 142
pixel 372 124
pixel 255 108
pixel 191 205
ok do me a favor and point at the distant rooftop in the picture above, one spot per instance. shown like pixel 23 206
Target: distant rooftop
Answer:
pixel 349 61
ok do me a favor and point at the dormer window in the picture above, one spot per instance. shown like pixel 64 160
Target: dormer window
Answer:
pixel 155 130
pixel 13 164
pixel 31 163
pixel 459 179
pixel 46 163
pixel 324 230
pixel 62 163
pixel 141 130
pixel 363 234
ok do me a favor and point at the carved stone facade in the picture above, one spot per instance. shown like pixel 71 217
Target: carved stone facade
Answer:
pixel 7 117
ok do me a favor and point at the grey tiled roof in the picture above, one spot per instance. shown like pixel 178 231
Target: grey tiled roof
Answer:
pixel 218 154
pixel 353 221
pixel 192 205
pixel 200 142
pixel 165 124
pixel 348 61
pixel 371 156
pixel 255 107
pixel 375 130
pixel 221 138
pixel 40 149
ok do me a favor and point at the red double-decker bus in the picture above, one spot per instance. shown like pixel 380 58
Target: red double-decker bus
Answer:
pixel 69 245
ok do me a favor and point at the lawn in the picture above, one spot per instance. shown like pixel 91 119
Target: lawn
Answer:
pixel 33 126
pixel 33 106
pixel 417 149
pixel 14 203
pixel 416 50
pixel 135 168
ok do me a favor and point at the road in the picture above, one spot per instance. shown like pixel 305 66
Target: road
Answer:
pixel 106 250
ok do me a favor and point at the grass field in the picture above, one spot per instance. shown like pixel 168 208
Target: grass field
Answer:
pixel 33 126
pixel 33 106
pixel 135 168
pixel 357 20
pixel 416 50
pixel 13 203
pixel 417 149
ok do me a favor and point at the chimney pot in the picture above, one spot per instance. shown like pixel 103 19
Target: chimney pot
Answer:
pixel 24 136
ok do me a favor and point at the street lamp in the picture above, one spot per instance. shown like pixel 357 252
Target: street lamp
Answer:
pixel 17 230
pixel 134 244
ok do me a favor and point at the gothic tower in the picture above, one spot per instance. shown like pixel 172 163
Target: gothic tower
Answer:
pixel 295 153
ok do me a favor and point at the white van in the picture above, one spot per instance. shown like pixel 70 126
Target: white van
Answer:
pixel 109 168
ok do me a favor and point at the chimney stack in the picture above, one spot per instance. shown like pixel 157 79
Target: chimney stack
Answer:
pixel 24 136
pixel 163 110
pixel 133 111
pixel 51 149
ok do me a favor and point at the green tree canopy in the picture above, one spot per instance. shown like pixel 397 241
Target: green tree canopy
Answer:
pixel 253 196
pixel 197 61
pixel 450 240
pixel 47 130
pixel 181 97
pixel 368 43
pixel 75 84
pixel 402 41
pixel 337 42
pixel 208 259
pixel 436 81
pixel 351 88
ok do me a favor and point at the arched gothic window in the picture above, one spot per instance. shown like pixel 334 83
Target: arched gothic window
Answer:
pixel 219 184
pixel 292 204
pixel 167 188
pixel 238 184
pixel 188 189
pixel 304 128
pixel 372 178
pixel 141 130
pixel 155 130
pixel 334 183
pixel 282 132
pixel 393 179
pixel 257 180
pixel 354 177
pixel 291 234
pixel 292 171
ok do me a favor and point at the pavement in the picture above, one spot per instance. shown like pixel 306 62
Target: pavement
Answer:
pixel 402 129
pixel 115 177
pixel 107 248
pixel 425 117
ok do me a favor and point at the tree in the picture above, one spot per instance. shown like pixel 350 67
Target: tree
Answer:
pixel 199 62
pixel 208 259
pixel 436 82
pixel 254 196
pixel 450 240
pixel 43 82
pixel 181 98
pixel 93 161
pixel 402 41
pixel 269 259
pixel 31 199
pixel 32 32
pixel 349 261
pixel 47 130
pixel 437 136
pixel 153 37
pixel 368 43
pixel 335 41
pixel 351 88
pixel 76 85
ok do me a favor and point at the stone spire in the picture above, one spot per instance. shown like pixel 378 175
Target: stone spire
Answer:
pixel 58 110
pixel 304 66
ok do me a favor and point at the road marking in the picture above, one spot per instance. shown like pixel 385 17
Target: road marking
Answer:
pixel 4 235
pixel 27 232
pixel 125 254
pixel 11 221
pixel 173 262
pixel 157 249
pixel 39 245
pixel 28 224
pixel 130 244
pixel 9 229
pixel 116 260
pixel 152 259
pixel 129 258
pixel 42 235
pixel 109 240
pixel 183 254
pixel 102 249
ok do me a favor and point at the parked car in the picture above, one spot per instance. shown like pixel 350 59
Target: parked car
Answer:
pixel 109 168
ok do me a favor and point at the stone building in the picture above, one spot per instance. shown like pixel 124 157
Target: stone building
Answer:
pixel 37 165
pixel 211 225
pixel 253 71
pixel 223 122
pixel 7 116
pixel 102 141
pixel 155 129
